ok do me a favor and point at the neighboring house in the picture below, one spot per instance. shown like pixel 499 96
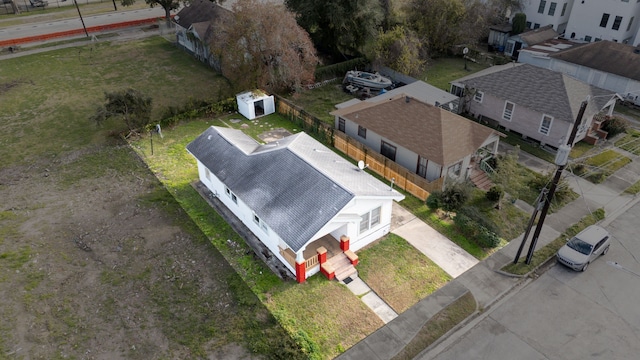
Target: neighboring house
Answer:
pixel 541 13
pixel 615 20
pixel 536 103
pixel 529 38
pixel 196 26
pixel 427 140
pixel 297 196
pixel 605 64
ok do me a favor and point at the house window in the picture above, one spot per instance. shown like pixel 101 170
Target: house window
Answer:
pixel 422 167
pixel 362 132
pixel 552 8
pixel 587 38
pixel 207 173
pixel 509 49
pixel 528 24
pixel 507 113
pixel 454 170
pixel 630 22
pixel 604 20
pixel 536 26
pixel 260 223
pixel 369 220
pixel 478 96
pixel 341 125
pixel 597 39
pixel 564 8
pixel 543 3
pixel 545 124
pixel 387 150
pixel 230 194
pixel 616 23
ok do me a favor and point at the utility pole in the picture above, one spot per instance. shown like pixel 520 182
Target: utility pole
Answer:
pixel 81 19
pixel 561 162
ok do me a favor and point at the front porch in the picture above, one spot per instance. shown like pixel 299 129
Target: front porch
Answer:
pixel 327 255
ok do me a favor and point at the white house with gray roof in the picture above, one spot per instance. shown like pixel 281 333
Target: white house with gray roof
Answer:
pixel 293 194
pixel 536 103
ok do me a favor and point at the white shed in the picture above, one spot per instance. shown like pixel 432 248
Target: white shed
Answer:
pixel 253 104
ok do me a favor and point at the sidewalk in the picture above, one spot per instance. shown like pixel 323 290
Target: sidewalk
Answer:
pixel 483 281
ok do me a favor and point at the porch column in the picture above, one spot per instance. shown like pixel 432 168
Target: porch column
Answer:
pixel 301 267
pixel 495 146
pixel 322 254
pixel 344 243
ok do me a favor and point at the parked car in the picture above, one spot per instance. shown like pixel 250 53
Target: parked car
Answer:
pixel 585 247
pixel 39 3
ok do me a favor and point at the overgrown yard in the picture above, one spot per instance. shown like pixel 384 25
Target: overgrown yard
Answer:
pixel 630 142
pixel 319 102
pixel 97 260
pixel 443 70
pixel 598 168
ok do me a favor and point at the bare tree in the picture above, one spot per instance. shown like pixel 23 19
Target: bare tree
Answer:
pixel 263 47
pixel 129 105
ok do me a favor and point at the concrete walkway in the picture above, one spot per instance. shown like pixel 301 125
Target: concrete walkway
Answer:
pixel 484 280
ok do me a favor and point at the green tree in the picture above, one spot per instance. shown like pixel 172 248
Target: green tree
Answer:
pixel 339 27
pixel 438 23
pixel 399 49
pixel 129 105
pixel 519 23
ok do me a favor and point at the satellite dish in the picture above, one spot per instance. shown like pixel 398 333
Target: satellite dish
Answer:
pixel 465 51
pixel 361 165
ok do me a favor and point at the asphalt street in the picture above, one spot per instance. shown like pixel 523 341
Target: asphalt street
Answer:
pixel 49 27
pixel 564 314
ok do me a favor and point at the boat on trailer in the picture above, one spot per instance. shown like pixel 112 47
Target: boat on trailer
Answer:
pixel 367 79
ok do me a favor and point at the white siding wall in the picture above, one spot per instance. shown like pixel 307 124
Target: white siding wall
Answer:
pixel 530 8
pixel 608 81
pixel 244 213
pixel 586 16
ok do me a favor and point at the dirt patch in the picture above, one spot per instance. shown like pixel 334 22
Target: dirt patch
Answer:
pixel 274 135
pixel 5 87
pixel 101 269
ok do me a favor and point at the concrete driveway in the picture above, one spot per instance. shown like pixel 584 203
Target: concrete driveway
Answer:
pixel 446 254
pixel 564 314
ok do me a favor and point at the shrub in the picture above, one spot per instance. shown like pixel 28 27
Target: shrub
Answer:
pixel 495 193
pixel 563 190
pixel 478 217
pixel 454 196
pixel 475 231
pixel 615 125
pixel 434 201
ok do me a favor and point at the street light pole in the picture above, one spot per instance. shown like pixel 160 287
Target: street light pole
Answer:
pixel 554 184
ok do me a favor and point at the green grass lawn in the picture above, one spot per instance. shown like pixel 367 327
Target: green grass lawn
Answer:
pixel 398 273
pixel 443 70
pixel 630 142
pixel 599 167
pixel 320 101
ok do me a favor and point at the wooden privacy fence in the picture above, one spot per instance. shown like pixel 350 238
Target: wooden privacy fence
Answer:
pixel 403 178
pixel 307 122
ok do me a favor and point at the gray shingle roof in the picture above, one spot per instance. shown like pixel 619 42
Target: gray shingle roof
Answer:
pixel 295 185
pixel 541 90
pixel 200 11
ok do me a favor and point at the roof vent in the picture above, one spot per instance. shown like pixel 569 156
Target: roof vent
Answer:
pixel 636 50
pixel 407 99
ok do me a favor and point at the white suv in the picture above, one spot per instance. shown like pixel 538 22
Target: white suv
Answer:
pixel 585 247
